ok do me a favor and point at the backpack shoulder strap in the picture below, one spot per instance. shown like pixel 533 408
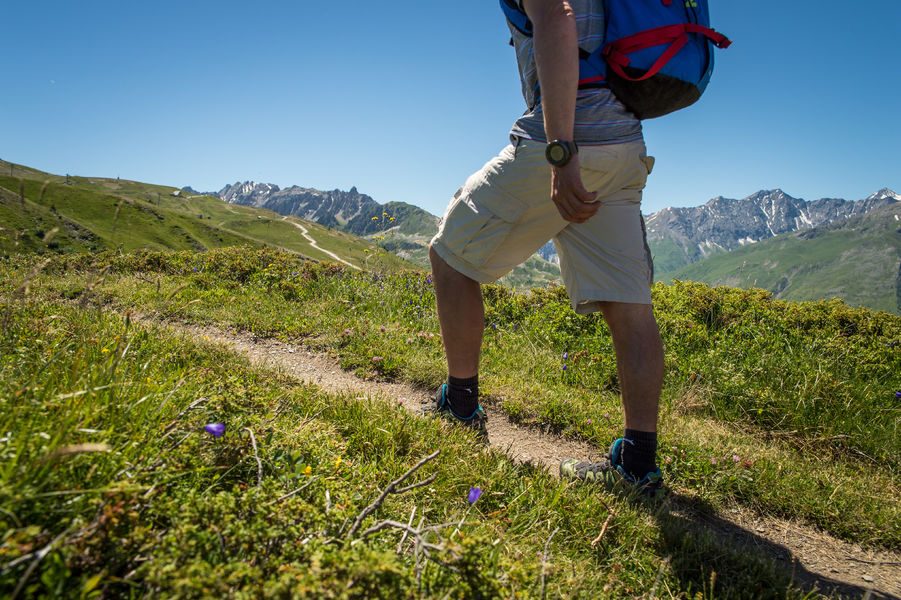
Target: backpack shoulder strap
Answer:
pixel 517 16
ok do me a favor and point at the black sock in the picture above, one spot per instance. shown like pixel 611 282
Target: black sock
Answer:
pixel 639 452
pixel 463 395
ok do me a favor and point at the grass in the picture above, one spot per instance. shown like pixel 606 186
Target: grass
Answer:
pixel 786 408
pixel 93 214
pixel 109 486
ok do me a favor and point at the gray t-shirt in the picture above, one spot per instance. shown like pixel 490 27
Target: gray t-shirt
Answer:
pixel 600 117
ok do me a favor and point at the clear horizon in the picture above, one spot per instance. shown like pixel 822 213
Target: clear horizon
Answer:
pixel 390 100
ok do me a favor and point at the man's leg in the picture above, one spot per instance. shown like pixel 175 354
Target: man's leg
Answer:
pixel 462 317
pixel 499 218
pixel 639 359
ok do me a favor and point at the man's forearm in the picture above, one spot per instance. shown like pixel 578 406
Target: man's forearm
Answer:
pixel 556 39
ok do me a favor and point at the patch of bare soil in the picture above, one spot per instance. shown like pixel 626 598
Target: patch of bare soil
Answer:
pixel 815 558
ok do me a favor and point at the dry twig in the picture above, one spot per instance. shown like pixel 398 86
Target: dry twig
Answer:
pixel 421 547
pixel 38 557
pixel 393 489
pixel 606 524
pixel 400 544
pixel 256 455
pixel 544 558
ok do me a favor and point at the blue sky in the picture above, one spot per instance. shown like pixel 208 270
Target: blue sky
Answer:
pixel 405 99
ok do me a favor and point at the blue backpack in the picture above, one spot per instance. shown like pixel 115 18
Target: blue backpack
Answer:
pixel 657 55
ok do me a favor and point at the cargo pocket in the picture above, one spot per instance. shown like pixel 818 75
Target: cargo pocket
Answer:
pixel 494 215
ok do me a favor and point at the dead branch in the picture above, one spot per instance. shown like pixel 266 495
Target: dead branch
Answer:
pixel 663 565
pixel 391 489
pixel 421 547
pixel 413 486
pixel 256 455
pixel 403 539
pixel 544 557
pixel 38 557
pixel 890 563
pixel 606 524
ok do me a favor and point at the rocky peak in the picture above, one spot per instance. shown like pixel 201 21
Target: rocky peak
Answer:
pixel 723 224
pixel 885 194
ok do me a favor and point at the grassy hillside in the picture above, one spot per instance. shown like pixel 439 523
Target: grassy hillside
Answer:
pixel 669 257
pixel 109 469
pixel 93 214
pixel 130 496
pixel 783 408
pixel 858 261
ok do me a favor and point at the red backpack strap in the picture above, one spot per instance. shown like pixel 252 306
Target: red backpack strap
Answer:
pixel 617 53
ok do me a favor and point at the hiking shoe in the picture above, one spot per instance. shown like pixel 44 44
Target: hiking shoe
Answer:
pixel 609 471
pixel 477 421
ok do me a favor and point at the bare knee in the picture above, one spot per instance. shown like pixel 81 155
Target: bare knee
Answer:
pixel 443 272
pixel 624 316
pixel 625 311
pixel 440 268
pixel 435 259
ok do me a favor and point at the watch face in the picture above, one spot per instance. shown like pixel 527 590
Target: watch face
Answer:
pixel 557 153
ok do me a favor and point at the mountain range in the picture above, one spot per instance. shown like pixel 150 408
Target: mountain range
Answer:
pixel 679 238
pixel 682 236
pixel 349 211
pixel 402 228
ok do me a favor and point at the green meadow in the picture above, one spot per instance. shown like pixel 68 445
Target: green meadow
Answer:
pixel 784 409
pixel 88 214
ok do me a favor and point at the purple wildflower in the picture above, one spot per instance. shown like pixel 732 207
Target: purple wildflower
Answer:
pixel 588 421
pixel 898 395
pixel 564 367
pixel 565 355
pixel 474 494
pixel 428 279
pixel 216 430
pixel 736 458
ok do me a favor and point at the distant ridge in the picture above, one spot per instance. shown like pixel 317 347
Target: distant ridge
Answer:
pixel 682 236
pixel 678 237
pixel 348 211
pixel 399 227
pixel 857 259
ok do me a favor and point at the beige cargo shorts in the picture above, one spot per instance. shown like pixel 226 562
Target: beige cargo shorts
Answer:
pixel 504 214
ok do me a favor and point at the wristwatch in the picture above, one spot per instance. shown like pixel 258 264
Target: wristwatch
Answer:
pixel 559 153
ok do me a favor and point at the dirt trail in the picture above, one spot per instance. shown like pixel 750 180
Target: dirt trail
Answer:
pixel 306 234
pixel 814 557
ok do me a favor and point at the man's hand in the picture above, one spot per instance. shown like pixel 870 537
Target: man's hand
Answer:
pixel 575 203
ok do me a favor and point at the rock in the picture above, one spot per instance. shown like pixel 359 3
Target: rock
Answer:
pixel 868 578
